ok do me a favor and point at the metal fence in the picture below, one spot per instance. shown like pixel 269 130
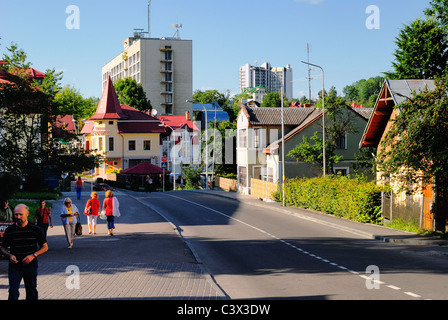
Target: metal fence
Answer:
pixel 398 207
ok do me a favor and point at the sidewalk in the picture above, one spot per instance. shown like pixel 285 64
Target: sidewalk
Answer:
pixel 381 233
pixel 145 261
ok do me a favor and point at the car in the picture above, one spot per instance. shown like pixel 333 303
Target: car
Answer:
pixel 102 187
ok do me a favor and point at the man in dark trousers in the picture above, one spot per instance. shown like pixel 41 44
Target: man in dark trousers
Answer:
pixel 23 239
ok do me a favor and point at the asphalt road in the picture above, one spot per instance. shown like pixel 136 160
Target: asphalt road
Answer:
pixel 254 252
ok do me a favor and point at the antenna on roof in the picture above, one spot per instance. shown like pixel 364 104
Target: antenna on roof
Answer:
pixel 309 69
pixel 177 26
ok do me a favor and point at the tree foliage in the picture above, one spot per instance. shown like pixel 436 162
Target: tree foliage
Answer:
pixel 365 91
pixel 422 51
pixel 27 108
pixel 131 93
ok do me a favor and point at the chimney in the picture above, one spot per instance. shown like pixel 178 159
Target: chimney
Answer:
pixel 187 115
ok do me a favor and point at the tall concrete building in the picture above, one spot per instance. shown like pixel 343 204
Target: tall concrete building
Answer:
pixel 267 77
pixel 163 66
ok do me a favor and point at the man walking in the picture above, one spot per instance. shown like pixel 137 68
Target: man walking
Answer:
pixel 23 239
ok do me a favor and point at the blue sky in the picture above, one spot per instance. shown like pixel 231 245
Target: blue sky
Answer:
pixel 226 34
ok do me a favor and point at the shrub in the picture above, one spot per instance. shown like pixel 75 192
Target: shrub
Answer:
pixel 354 199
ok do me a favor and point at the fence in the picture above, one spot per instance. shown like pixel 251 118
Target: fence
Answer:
pixel 263 189
pixel 409 208
pixel 225 184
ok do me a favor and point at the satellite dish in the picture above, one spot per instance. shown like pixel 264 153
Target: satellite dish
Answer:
pixel 154 112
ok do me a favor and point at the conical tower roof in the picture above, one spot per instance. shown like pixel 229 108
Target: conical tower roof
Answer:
pixel 109 106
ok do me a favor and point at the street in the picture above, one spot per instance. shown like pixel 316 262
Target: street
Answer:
pixel 253 252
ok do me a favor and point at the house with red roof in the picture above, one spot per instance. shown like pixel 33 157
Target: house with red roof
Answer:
pixel 182 143
pixel 122 135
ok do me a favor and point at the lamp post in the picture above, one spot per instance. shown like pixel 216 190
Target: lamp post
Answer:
pixel 206 142
pixel 323 113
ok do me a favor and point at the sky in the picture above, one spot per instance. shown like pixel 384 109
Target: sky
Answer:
pixel 346 38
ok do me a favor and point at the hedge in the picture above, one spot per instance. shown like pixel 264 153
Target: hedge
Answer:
pixel 354 199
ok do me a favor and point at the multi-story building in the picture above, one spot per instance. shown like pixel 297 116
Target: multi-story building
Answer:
pixel 164 68
pixel 268 77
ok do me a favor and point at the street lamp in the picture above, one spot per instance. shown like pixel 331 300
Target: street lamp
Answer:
pixel 323 112
pixel 206 142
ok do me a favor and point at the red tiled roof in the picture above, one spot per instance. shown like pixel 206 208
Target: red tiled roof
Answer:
pixel 178 122
pixel 109 106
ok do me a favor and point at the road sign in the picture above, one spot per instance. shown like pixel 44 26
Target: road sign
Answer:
pixel 164 159
pixel 164 165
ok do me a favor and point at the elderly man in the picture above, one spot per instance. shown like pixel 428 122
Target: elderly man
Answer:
pixel 23 239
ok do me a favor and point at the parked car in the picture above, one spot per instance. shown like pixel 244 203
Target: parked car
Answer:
pixel 102 187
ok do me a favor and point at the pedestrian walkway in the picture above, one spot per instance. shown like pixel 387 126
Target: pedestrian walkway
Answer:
pixel 144 260
pixel 376 232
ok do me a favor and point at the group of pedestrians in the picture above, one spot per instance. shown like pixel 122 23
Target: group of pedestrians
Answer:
pixel 23 241
pixel 70 214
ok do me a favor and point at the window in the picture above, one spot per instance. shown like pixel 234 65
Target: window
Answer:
pixel 242 138
pixel 341 142
pixel 257 173
pixel 132 145
pixel 242 175
pixel 100 143
pixel 111 144
pixel 147 145
pixel 257 138
pixel 343 171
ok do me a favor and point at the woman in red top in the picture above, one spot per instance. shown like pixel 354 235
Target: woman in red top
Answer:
pixel 92 211
pixel 108 206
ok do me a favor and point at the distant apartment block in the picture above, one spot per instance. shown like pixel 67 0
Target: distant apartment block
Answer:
pixel 268 77
pixel 163 66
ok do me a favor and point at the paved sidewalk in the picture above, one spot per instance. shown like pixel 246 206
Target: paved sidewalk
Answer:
pixel 381 233
pixel 142 261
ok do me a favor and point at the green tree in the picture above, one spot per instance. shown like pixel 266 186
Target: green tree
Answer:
pixel 131 93
pixel 271 100
pixel 422 51
pixel 439 11
pixel 26 148
pixel 365 91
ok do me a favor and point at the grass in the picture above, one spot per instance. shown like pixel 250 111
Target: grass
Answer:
pixel 413 226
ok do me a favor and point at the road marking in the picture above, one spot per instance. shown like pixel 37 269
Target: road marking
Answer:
pixel 296 248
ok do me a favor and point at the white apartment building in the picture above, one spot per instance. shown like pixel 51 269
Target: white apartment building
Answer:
pixel 163 66
pixel 268 77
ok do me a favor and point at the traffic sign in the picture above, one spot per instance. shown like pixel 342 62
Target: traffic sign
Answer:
pixel 164 159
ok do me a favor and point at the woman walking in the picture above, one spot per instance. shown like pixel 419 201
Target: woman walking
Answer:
pixel 111 206
pixel 69 214
pixel 92 210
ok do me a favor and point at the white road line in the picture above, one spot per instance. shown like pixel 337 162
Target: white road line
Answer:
pixel 297 248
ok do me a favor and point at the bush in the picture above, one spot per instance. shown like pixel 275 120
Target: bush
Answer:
pixel 354 199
